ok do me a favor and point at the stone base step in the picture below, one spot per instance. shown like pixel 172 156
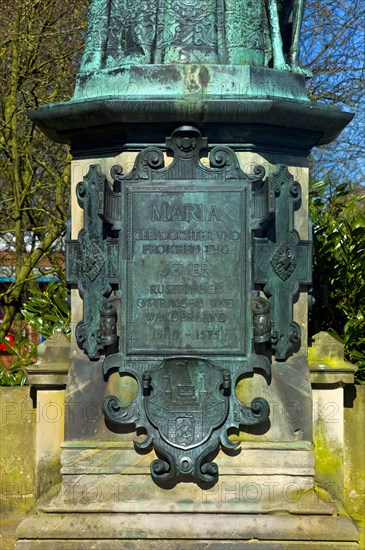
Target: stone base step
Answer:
pixel 186 531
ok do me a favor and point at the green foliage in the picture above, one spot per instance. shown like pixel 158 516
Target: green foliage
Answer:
pixel 339 268
pixel 12 376
pixel 47 310
pixel 24 354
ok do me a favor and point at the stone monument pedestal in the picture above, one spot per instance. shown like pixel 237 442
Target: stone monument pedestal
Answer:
pixel 253 244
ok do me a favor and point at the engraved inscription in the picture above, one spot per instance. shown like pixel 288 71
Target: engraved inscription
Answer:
pixel 186 270
pixel 185 212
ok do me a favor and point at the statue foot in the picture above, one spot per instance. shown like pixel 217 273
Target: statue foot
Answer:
pixel 282 67
pixel 295 68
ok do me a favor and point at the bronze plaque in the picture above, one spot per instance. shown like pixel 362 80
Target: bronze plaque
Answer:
pixel 186 269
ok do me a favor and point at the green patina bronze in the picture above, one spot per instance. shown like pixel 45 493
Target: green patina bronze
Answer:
pixel 236 32
pixel 230 67
pixel 166 48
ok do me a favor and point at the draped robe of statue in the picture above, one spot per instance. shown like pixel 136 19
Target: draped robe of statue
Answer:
pixel 125 32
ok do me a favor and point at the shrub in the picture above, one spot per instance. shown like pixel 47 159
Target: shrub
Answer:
pixel 47 310
pixel 339 268
pixel 24 354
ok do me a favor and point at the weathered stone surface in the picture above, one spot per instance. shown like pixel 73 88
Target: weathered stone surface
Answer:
pixel 53 362
pixel 49 436
pixel 262 458
pixel 18 420
pixel 326 362
pixel 232 494
pixel 328 438
pixel 129 528
pixel 323 345
pixel 183 545
pixel 354 452
pixel 17 441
